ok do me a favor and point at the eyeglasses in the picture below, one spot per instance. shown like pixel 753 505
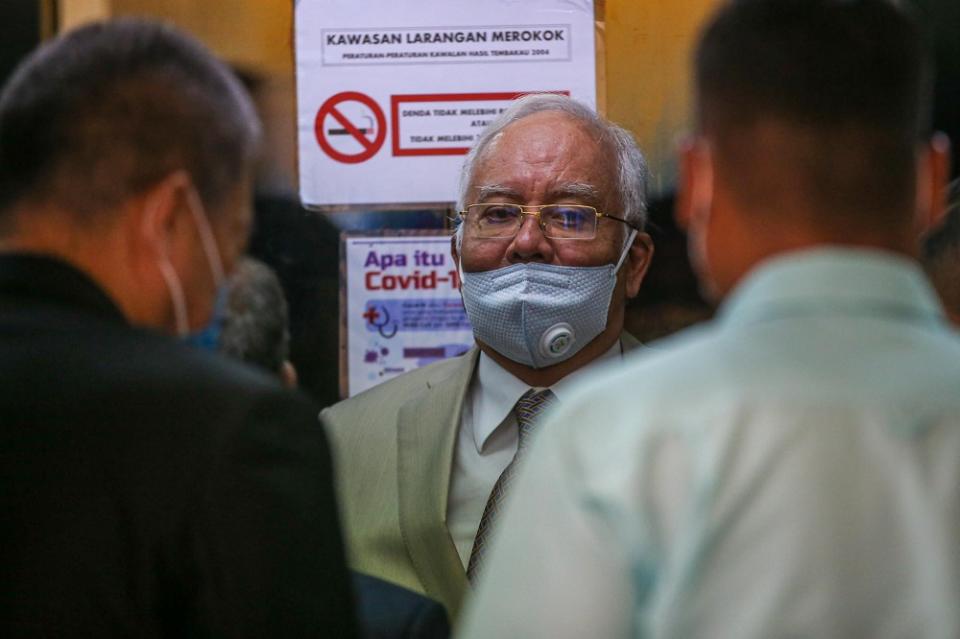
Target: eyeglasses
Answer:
pixel 557 221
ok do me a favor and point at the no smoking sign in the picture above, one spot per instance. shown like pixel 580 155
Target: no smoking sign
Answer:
pixel 350 127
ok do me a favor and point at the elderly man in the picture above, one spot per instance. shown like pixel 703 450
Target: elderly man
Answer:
pixel 551 246
pixel 146 488
pixel 793 469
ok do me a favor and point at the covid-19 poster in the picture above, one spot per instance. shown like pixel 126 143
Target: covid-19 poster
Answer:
pixel 402 309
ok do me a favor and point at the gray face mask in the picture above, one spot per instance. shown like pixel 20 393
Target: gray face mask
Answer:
pixel 540 314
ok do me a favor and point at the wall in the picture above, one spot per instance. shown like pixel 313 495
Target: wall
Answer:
pixel 643 71
pixel 647 59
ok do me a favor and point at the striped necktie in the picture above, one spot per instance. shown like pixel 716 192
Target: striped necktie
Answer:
pixel 527 410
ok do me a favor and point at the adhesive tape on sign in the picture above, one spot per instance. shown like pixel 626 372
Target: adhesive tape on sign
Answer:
pixel 557 340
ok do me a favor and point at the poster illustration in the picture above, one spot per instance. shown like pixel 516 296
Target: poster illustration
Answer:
pixel 401 306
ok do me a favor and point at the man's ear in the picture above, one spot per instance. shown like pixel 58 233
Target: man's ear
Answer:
pixel 638 261
pixel 695 190
pixel 160 215
pixel 454 253
pixel 933 176
pixel 288 374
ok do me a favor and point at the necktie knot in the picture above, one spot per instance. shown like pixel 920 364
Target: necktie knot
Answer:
pixel 528 409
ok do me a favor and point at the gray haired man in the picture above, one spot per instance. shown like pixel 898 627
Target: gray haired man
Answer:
pixel 550 248
pixel 255 326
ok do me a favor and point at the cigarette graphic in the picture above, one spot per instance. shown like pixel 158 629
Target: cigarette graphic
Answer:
pixel 369 129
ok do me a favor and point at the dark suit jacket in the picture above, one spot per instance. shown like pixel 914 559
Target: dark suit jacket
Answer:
pixel 148 489
pixel 388 611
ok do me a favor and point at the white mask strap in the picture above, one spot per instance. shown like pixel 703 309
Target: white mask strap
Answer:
pixel 210 249
pixel 176 295
pixel 626 249
pixel 170 277
pixel 206 236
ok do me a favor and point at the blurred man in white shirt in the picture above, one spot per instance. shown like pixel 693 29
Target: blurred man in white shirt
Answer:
pixel 793 468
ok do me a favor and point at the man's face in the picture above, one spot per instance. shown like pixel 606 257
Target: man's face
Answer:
pixel 545 158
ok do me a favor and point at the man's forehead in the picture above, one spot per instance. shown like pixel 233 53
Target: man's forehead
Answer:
pixel 557 190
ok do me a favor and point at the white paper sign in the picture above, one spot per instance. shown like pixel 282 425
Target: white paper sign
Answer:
pixel 403 308
pixel 392 93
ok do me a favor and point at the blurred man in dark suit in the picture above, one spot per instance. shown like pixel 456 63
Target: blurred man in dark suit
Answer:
pixel 147 488
pixel 255 331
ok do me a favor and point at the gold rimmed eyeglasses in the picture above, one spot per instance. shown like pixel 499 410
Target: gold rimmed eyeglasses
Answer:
pixel 557 221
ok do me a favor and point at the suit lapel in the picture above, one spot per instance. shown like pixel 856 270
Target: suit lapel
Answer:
pixel 427 433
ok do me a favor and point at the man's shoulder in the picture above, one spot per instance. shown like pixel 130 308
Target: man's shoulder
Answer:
pixel 181 367
pixel 649 375
pixel 152 377
pixel 387 397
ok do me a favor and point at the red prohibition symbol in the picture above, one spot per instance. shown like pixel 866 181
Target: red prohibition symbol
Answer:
pixel 368 146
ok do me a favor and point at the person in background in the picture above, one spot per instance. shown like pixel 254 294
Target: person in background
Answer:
pixel 941 256
pixel 791 469
pixel 255 326
pixel 254 331
pixel 550 247
pixel 147 488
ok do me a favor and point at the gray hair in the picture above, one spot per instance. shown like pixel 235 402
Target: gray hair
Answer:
pixel 631 167
pixel 255 325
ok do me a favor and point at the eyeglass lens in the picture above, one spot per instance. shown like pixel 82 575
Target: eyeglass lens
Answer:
pixel 558 221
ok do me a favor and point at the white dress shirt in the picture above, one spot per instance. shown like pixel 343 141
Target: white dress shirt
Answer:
pixel 790 470
pixel 487 442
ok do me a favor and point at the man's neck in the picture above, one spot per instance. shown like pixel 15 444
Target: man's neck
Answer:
pixel 96 252
pixel 546 377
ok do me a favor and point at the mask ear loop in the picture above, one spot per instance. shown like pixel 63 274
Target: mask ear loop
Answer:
pixel 626 250
pixel 176 295
pixel 170 277
pixel 206 236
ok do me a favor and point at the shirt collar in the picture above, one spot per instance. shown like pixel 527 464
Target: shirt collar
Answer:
pixel 39 278
pixel 833 279
pixel 499 390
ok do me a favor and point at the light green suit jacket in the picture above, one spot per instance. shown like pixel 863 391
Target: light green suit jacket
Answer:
pixel 393 451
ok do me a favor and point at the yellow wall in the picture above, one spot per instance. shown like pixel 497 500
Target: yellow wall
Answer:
pixel 254 34
pixel 648 44
pixel 71 13
pixel 644 71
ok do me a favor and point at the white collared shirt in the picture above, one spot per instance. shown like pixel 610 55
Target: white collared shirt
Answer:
pixel 487 442
pixel 790 470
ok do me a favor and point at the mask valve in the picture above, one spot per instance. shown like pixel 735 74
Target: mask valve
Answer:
pixel 557 340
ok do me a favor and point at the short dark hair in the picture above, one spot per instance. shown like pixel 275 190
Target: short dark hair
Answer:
pixel 852 75
pixel 107 110
pixel 255 325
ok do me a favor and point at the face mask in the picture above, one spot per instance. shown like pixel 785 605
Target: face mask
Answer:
pixel 208 337
pixel 540 314
pixel 210 333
